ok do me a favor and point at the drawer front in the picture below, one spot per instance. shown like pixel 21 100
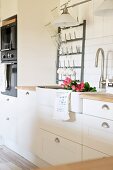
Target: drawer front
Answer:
pixel 56 150
pixel 89 154
pixel 69 130
pixel 98 134
pixel 26 94
pixel 98 108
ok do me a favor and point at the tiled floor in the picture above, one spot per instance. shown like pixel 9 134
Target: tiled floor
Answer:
pixel 9 160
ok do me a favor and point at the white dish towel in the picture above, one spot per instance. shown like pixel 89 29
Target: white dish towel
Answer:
pixel 3 78
pixel 62 105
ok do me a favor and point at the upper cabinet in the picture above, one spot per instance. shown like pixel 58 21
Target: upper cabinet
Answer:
pixel 8 8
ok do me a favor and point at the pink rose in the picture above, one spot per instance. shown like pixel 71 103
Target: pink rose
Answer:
pixel 68 80
pixel 82 85
pixel 65 82
pixel 73 87
pixel 77 89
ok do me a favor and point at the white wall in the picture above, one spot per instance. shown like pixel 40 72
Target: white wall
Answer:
pixel 8 8
pixel 99 34
pixel 36 51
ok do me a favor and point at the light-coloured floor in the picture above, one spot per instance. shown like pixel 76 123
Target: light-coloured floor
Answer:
pixel 9 160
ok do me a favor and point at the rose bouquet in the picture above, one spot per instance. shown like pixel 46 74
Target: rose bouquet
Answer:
pixel 75 86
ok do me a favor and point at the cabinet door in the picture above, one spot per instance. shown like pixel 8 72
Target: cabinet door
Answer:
pixel 71 130
pixel 98 134
pixel 100 108
pixel 89 154
pixel 57 150
pixel 27 121
pixel 8 8
pixel 8 119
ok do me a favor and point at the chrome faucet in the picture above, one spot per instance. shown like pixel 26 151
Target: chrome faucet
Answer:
pixel 102 82
pixel 110 51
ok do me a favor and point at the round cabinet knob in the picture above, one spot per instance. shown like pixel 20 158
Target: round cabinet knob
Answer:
pixel 7 118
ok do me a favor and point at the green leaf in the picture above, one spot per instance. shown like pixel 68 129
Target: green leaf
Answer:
pixel 93 89
pixel 87 86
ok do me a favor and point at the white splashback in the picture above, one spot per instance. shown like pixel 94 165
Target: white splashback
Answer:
pixel 99 33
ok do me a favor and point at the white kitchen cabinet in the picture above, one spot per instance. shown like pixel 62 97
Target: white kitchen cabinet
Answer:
pixel 8 8
pixel 98 108
pixel 71 129
pixel 68 130
pixel 89 154
pixel 57 150
pixel 98 134
pixel 27 121
pixel 8 118
pixel 60 141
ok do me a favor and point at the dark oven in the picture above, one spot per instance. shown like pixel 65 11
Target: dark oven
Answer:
pixel 9 37
pixel 10 78
pixel 9 56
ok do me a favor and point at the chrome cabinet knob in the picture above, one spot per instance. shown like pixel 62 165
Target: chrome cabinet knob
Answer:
pixel 7 118
pixel 105 125
pixel 105 107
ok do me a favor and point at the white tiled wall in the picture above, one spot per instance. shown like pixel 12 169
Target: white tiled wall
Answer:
pixel 99 35
pixel 92 74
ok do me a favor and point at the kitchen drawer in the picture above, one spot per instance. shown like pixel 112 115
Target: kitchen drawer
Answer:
pixel 89 154
pixel 98 108
pixel 98 134
pixel 57 150
pixel 67 129
pixel 26 94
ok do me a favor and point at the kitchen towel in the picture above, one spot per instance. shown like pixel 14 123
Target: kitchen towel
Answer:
pixel 3 77
pixel 62 105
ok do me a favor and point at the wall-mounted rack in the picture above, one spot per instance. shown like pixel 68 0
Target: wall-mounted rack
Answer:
pixel 71 49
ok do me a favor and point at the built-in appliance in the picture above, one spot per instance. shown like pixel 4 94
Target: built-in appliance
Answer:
pixel 9 36
pixel 9 54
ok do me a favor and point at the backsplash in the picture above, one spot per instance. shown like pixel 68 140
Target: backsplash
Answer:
pixel 91 73
pixel 99 34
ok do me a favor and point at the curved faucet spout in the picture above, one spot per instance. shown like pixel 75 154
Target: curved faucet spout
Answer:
pixel 110 51
pixel 102 81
